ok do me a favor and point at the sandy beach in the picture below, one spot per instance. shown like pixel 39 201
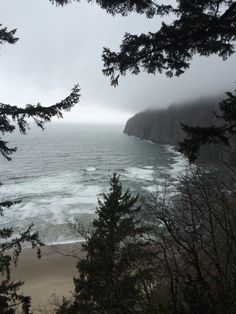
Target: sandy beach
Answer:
pixel 51 275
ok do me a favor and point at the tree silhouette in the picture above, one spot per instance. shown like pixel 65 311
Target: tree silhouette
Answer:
pixel 109 279
pixel 198 27
pixel 7 36
pixel 148 7
pixel 199 136
pixel 11 118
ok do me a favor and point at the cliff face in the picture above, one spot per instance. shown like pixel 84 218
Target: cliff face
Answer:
pixel 163 126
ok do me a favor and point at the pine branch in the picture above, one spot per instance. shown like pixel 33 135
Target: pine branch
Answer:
pixel 196 137
pixel 7 36
pixel 14 116
pixel 171 48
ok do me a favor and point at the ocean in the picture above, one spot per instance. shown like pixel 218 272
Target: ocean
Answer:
pixel 58 174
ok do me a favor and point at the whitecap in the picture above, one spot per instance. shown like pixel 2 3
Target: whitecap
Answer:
pixel 135 173
pixel 90 169
pixel 152 188
pixel 54 209
pixel 180 166
pixel 180 163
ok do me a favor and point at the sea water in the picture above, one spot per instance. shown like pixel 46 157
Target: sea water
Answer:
pixel 58 174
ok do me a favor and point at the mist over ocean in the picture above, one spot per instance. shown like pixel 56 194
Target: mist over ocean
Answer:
pixel 58 174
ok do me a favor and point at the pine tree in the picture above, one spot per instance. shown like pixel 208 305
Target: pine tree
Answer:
pixel 203 27
pixel 109 280
pixel 11 118
pixel 10 249
pixel 223 133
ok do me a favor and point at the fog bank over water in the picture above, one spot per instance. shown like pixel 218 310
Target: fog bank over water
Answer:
pixel 66 48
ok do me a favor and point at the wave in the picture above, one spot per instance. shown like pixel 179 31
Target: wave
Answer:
pixel 64 177
pixel 135 173
pixel 90 169
pixel 180 164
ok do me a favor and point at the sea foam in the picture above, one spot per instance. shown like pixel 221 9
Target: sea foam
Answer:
pixel 135 173
pixel 90 169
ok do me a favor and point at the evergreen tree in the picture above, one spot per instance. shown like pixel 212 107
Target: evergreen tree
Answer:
pixel 109 280
pixel 12 117
pixel 203 27
pixel 213 134
pixel 10 249
pixel 200 27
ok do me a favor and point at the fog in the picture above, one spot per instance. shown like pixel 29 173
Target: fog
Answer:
pixel 59 47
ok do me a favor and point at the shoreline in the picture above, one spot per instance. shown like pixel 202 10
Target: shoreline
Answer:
pixel 49 278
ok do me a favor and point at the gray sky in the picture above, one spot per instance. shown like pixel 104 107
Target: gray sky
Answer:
pixel 59 47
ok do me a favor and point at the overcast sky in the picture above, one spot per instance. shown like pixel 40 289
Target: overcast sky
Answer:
pixel 59 47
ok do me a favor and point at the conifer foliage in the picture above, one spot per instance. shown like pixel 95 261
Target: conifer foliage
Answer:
pixel 11 118
pixel 224 133
pixel 198 27
pixel 109 280
pixel 203 27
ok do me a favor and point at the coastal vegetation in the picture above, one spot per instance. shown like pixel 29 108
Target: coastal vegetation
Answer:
pixel 181 257
pixel 13 118
pixel 213 127
pixel 193 240
pixel 112 274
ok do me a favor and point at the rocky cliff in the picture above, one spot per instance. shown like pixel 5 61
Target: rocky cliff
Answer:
pixel 163 125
